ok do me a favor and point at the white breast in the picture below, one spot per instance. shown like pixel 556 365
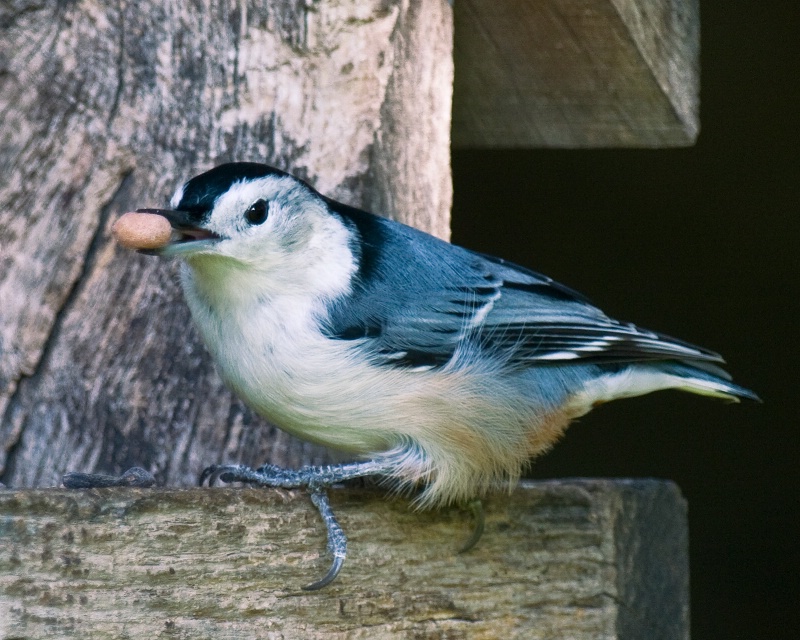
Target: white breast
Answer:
pixel 458 427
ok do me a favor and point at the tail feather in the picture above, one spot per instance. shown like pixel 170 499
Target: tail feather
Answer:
pixel 639 379
pixel 708 379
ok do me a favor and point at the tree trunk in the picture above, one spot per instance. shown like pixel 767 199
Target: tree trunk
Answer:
pixel 109 107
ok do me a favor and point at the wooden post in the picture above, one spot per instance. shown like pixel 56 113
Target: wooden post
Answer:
pixel 567 559
pixel 576 73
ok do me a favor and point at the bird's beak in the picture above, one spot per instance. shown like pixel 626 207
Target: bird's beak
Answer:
pixel 186 237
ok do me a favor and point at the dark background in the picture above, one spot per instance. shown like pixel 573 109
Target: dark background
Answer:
pixel 699 243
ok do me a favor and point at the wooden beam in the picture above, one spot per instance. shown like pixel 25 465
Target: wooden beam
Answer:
pixel 576 73
pixel 574 558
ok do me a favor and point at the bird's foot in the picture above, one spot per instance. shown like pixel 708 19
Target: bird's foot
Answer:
pixel 133 477
pixel 316 479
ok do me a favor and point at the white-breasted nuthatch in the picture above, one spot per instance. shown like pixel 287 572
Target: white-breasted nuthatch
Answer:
pixel 429 362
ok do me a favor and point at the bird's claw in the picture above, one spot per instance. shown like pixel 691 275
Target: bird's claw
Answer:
pixel 272 476
pixel 217 472
pixel 133 477
pixel 337 541
pixel 336 566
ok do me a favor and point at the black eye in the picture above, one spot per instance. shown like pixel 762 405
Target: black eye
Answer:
pixel 257 212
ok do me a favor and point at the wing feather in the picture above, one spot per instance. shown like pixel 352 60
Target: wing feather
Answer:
pixel 417 300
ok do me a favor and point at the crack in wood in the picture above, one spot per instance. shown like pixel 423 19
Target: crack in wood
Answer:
pixel 87 265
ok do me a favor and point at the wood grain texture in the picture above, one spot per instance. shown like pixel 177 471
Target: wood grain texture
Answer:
pixel 562 559
pixel 108 107
pixel 576 73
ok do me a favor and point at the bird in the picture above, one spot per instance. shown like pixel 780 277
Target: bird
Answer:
pixel 432 365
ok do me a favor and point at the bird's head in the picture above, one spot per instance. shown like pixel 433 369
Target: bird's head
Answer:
pixel 260 222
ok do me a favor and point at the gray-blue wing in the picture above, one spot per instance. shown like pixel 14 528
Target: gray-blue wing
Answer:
pixel 417 300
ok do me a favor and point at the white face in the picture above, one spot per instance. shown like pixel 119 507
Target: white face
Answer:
pixel 292 215
pixel 277 233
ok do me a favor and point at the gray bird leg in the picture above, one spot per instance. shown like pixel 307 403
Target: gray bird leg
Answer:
pixel 309 477
pixel 316 480
pixel 337 541
pixel 476 507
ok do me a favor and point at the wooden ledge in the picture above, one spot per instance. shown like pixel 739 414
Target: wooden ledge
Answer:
pixel 568 558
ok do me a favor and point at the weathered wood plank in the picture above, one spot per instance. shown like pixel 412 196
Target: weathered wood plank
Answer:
pixel 107 107
pixel 576 73
pixel 566 559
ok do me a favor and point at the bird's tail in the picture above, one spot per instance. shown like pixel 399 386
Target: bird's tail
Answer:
pixel 707 380
pixel 638 379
